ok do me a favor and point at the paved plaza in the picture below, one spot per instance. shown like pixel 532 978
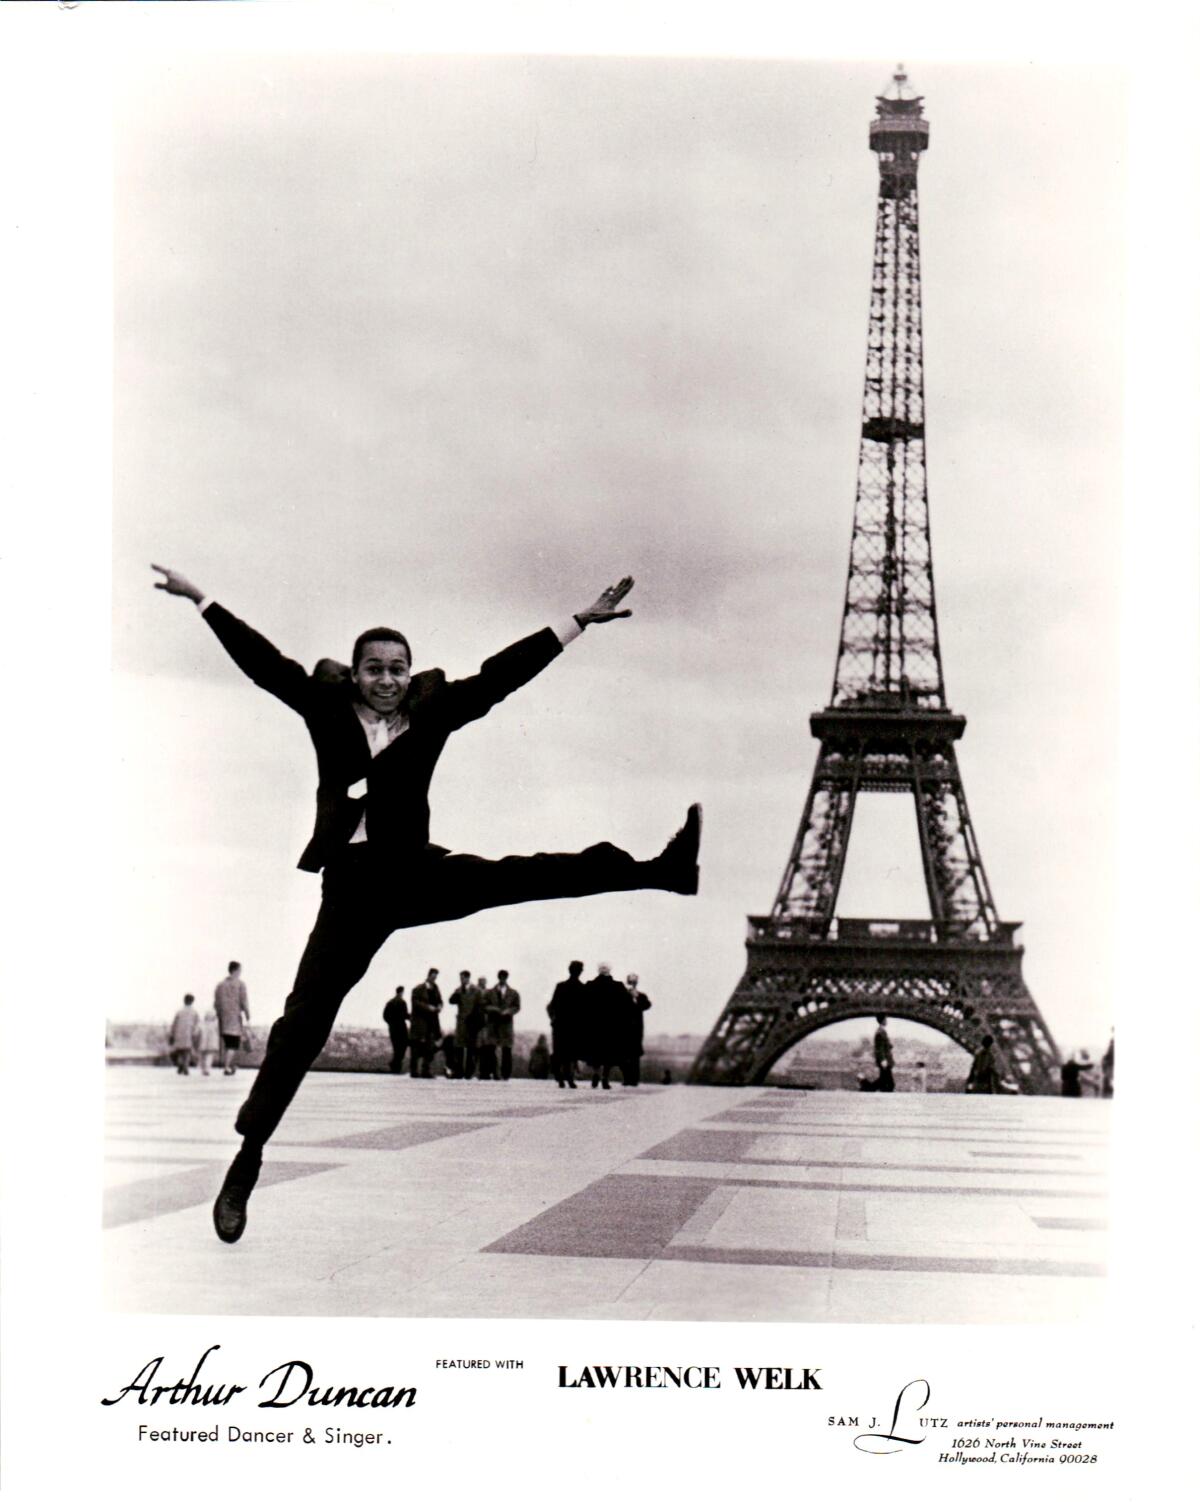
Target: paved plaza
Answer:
pixel 384 1195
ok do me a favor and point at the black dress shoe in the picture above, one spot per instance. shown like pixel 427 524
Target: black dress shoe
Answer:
pixel 229 1212
pixel 229 1207
pixel 677 869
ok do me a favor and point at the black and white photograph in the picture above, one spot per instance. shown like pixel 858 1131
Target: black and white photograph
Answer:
pixel 687 985
pixel 618 765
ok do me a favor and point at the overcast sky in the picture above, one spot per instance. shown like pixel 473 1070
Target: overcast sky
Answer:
pixel 452 343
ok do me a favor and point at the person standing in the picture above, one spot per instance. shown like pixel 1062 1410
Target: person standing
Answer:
pixel 466 1002
pixel 233 1012
pixel 1106 1067
pixel 503 1004
pixel 606 1002
pixel 210 1039
pixel 883 1056
pixel 566 1011
pixel 395 1017
pixel 1072 1074
pixel 485 1039
pixel 184 1034
pixel 983 1078
pixel 378 731
pixel 426 1031
pixel 635 1032
pixel 539 1059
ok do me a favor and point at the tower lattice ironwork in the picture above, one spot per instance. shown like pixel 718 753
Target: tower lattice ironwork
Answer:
pixel 888 729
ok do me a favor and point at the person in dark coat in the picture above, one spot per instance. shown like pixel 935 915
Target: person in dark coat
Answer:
pixel 502 1005
pixel 539 1059
pixel 1072 1072
pixel 883 1056
pixel 637 1004
pixel 467 1004
pixel 395 1016
pixel 426 1032
pixel 566 1013
pixel 606 1005
pixel 378 731
pixel 984 1078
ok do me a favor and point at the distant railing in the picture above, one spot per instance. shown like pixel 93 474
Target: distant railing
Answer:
pixel 878 931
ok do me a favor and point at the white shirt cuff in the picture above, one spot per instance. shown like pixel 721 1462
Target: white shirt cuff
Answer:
pixel 567 631
pixel 202 605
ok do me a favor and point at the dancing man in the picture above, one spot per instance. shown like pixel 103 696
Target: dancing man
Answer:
pixel 378 731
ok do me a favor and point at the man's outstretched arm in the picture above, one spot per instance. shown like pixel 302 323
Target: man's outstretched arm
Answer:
pixel 254 654
pixel 471 698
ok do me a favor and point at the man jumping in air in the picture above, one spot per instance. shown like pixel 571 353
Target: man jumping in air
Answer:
pixel 378 731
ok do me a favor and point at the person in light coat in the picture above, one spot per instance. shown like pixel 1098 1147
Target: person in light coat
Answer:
pixel 184 1034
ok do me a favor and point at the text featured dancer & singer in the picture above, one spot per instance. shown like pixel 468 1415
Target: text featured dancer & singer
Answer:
pixel 378 730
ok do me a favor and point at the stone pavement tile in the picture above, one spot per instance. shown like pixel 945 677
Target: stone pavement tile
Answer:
pixel 724 1291
pixel 183 1188
pixel 928 1222
pixel 1012 1182
pixel 876 1181
pixel 619 1216
pixel 402 1134
pixel 769 1220
pixel 871 1297
pixel 513 1287
pixel 700 1146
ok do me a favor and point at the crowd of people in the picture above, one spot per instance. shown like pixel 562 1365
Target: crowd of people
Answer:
pixel 599 1022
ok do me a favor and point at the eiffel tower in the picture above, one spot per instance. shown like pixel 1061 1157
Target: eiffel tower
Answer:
pixel 887 729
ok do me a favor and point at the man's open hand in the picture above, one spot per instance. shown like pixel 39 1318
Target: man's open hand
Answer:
pixel 176 584
pixel 605 608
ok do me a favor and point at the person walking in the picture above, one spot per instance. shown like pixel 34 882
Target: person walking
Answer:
pixel 184 1034
pixel 395 1018
pixel 210 1039
pixel 232 1004
pixel 566 1010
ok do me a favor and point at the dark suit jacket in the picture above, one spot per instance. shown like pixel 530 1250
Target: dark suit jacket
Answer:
pixel 397 802
pixel 566 1013
pixel 426 1004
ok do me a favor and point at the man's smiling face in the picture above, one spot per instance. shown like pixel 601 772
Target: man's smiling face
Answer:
pixel 382 675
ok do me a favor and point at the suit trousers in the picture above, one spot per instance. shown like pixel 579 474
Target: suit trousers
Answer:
pixel 367 894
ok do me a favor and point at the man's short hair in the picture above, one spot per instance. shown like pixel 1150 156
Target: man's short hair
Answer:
pixel 234 965
pixel 501 974
pixel 379 633
pixel 188 999
pixel 575 967
pixel 464 975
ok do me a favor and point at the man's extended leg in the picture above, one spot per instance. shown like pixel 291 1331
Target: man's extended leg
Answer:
pixel 451 886
pixel 348 932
